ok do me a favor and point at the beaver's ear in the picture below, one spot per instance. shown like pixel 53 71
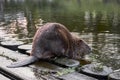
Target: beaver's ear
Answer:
pixel 82 42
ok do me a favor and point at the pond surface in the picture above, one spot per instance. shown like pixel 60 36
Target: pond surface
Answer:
pixel 95 21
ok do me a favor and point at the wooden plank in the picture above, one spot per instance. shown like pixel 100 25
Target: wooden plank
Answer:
pixel 12 54
pixel 24 73
pixel 27 73
pixel 2 77
pixel 76 76
pixel 34 72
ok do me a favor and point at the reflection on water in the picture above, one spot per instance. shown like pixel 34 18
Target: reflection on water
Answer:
pixel 95 21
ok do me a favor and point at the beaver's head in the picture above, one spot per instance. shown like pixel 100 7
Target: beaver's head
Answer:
pixel 81 49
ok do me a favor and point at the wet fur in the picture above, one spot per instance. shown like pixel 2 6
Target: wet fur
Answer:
pixel 54 39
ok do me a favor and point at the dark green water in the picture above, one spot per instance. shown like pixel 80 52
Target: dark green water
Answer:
pixel 95 21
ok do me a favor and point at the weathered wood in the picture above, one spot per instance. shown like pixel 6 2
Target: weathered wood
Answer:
pixel 23 73
pixel 76 76
pixel 12 54
pixel 96 70
pixel 24 48
pixel 2 77
pixel 114 76
pixel 12 44
pixel 33 72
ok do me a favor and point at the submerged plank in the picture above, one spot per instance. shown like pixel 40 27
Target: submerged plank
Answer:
pixel 67 62
pixel 76 76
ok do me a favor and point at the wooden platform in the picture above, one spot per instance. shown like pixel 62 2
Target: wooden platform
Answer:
pixel 38 71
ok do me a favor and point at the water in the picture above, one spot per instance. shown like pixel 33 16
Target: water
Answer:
pixel 95 21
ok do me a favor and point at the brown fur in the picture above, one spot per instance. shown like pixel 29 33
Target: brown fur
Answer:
pixel 54 39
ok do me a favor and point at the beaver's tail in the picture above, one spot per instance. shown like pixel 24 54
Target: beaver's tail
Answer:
pixel 25 62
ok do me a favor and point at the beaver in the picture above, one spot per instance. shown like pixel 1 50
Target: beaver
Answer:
pixel 54 40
